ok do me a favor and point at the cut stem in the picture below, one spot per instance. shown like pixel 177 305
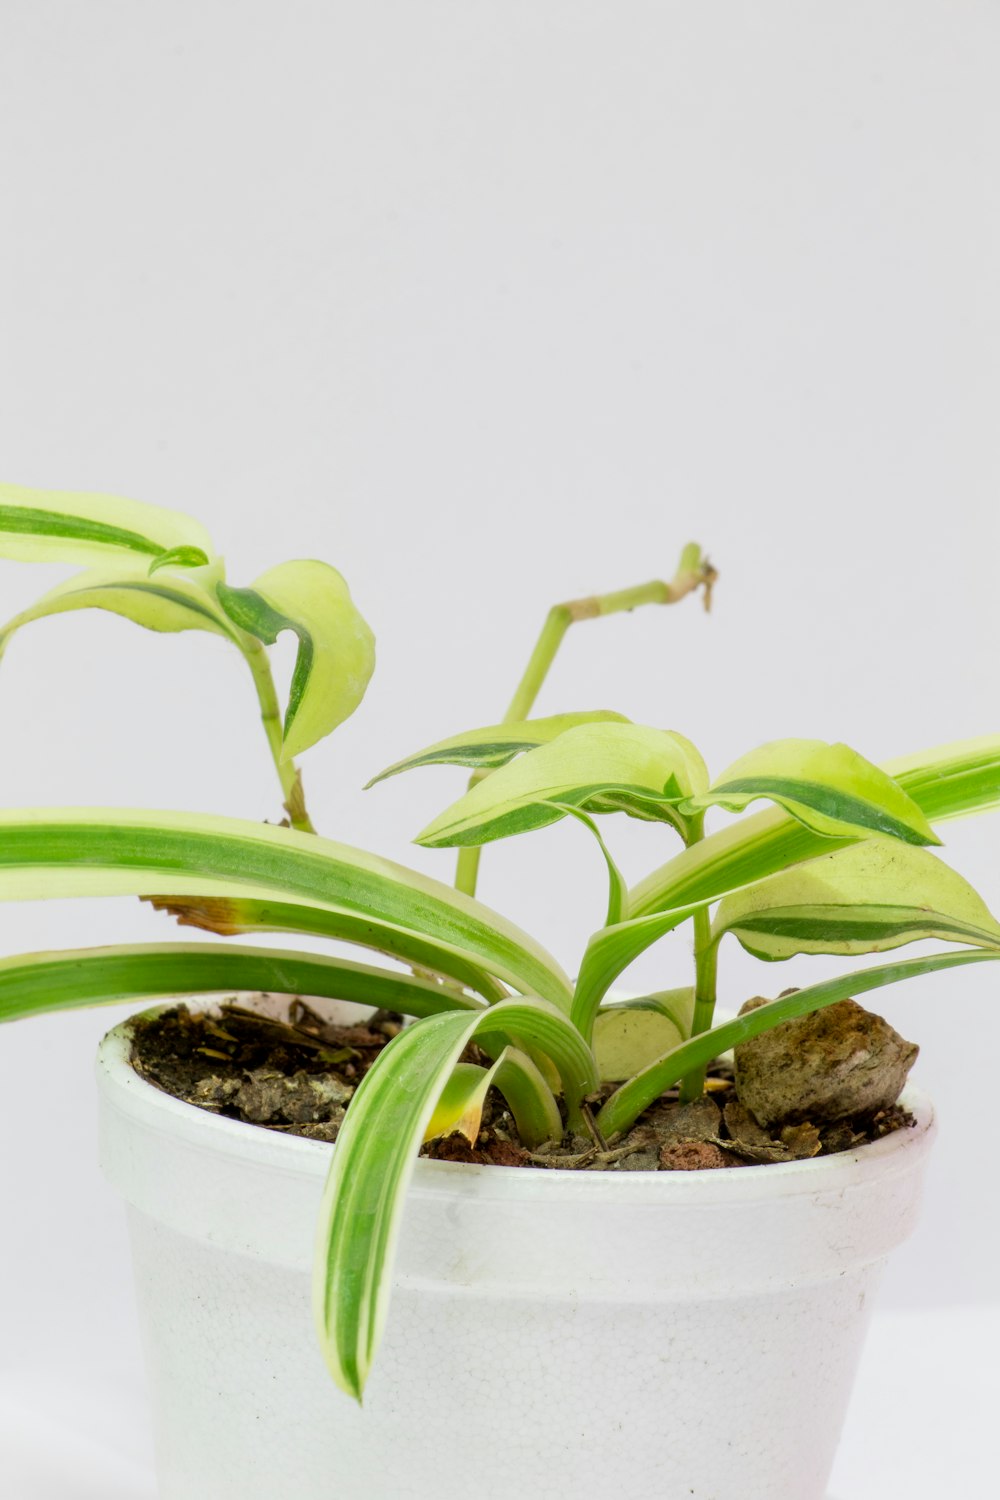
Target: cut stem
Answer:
pixel 693 572
pixel 270 713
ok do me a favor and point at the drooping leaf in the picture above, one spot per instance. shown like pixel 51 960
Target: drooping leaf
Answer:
pixel 617 887
pixel 95 852
pixel 66 526
pixel 830 788
pixel 609 953
pixel 949 781
pixel 159 603
pixel 37 983
pixel 597 767
pixel 868 898
pixel 630 1034
pixel 376 1151
pixel 461 1102
pixel 628 1102
pixel 231 915
pixel 485 749
pixel 336 652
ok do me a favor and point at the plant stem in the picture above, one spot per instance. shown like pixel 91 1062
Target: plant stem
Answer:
pixel 694 572
pixel 706 963
pixel 270 713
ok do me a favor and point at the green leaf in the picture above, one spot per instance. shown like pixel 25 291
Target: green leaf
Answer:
pixel 66 526
pixel 628 1102
pixel 952 781
pixel 485 749
pixel 179 557
pixel 830 788
pixel 37 983
pixel 164 604
pixel 609 953
pixel 868 898
pixel 630 1034
pixel 230 915
pixel 617 887
pixel 336 654
pixel 376 1152
pixel 949 781
pixel 597 767
pixel 94 852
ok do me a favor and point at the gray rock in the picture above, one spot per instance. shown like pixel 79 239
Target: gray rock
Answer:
pixel 836 1063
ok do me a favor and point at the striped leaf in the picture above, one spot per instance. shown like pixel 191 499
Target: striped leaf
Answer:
pixel 36 983
pixel 830 788
pixel 64 526
pixel 949 781
pixel 76 852
pixel 869 898
pixel 952 781
pixel 377 1148
pixel 163 603
pixel 609 953
pixel 231 915
pixel 336 651
pixel 486 749
pixel 628 1102
pixel 596 767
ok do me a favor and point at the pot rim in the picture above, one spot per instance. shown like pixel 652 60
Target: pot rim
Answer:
pixel 151 1107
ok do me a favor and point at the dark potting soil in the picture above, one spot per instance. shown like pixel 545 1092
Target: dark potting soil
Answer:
pixel 299 1075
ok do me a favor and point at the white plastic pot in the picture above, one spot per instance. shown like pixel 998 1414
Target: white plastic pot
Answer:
pixel 557 1334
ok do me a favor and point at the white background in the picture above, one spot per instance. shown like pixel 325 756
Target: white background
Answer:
pixel 493 303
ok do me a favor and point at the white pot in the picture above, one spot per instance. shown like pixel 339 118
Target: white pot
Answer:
pixel 666 1335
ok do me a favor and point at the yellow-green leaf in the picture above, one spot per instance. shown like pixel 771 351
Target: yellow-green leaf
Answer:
pixel 496 744
pixel 629 1034
pixel 830 788
pixel 170 602
pixel 79 527
pixel 867 898
pixel 336 655
pixel 596 767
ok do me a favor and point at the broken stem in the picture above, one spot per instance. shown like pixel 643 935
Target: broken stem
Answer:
pixel 693 572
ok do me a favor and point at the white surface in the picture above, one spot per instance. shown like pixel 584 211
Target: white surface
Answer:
pixel 492 303
pixel 921 1424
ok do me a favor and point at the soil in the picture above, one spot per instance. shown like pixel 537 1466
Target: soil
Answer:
pixel 299 1075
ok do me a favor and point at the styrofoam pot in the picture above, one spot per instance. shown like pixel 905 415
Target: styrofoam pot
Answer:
pixel 666 1335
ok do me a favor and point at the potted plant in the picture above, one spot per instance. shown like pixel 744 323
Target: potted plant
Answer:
pixel 571 1322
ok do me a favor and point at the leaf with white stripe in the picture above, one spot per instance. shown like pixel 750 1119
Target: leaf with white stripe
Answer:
pixel 67 526
pixel 386 1122
pixel 496 744
pixel 869 898
pixel 830 788
pixel 597 767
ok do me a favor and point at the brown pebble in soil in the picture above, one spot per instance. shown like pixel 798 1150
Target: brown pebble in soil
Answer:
pixel 488 1151
pixel 836 1063
pixel 698 1121
pixel 692 1156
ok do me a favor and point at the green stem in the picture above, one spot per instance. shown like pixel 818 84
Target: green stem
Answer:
pixel 270 713
pixel 694 572
pixel 706 964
